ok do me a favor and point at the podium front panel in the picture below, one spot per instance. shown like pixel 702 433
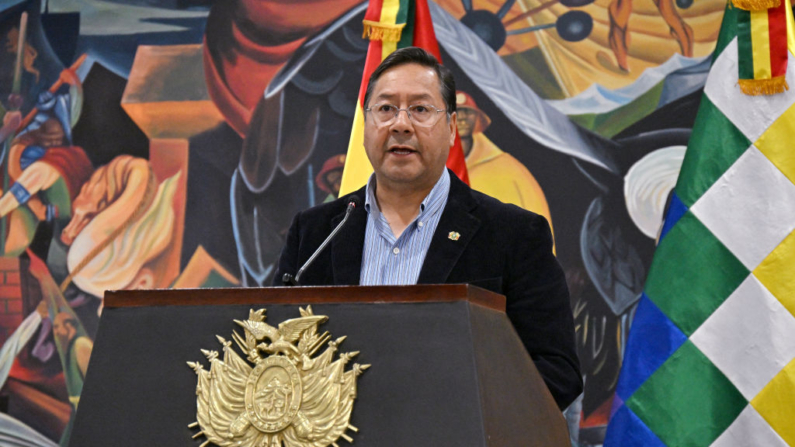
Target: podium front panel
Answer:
pixel 422 388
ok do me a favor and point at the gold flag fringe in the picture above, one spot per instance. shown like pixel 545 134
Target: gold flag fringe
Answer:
pixel 381 31
pixel 756 5
pixel 757 87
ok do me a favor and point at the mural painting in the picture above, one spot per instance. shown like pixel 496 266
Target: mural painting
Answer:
pixel 156 144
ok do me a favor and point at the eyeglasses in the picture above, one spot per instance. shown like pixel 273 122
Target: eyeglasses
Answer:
pixel 424 115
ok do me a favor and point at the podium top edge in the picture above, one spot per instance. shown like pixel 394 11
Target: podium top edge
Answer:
pixel 306 295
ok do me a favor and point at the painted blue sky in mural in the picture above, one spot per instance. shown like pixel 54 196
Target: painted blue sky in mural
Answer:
pixel 110 31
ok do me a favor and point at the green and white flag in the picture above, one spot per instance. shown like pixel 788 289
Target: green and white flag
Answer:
pixel 710 359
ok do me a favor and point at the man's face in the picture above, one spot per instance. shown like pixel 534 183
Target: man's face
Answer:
pixel 466 121
pixel 402 153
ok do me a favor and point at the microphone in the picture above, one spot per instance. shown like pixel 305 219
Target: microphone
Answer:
pixel 290 280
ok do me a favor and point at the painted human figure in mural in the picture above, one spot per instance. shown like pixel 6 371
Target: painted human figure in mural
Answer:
pixel 45 170
pixel 71 340
pixel 492 171
pixel 329 179
pixel 618 36
pixel 29 55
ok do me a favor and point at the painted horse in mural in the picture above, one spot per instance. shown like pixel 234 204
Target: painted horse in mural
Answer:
pixel 122 220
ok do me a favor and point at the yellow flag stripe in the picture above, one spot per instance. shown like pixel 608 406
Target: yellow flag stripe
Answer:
pixel 790 31
pixel 387 48
pixel 389 11
pixel 357 166
pixel 760 41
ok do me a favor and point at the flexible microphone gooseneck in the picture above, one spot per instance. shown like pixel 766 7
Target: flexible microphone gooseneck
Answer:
pixel 290 280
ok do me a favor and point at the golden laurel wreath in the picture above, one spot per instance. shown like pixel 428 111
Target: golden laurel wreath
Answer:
pixel 288 398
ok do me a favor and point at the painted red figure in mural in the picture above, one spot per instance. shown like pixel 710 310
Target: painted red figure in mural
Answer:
pixel 249 41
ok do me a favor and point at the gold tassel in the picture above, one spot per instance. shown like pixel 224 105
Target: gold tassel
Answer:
pixel 380 31
pixel 756 87
pixel 756 5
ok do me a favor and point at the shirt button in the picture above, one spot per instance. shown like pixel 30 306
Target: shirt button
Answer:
pixel 395 250
pixel 420 224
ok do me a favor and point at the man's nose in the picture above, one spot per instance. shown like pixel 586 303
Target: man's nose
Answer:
pixel 402 122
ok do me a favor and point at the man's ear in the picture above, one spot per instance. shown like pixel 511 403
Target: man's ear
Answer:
pixel 453 127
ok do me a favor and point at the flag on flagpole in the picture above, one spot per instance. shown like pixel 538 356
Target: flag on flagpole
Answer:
pixel 391 24
pixel 762 48
pixel 710 358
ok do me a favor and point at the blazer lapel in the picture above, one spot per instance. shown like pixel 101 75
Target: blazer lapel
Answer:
pixel 456 228
pixel 348 246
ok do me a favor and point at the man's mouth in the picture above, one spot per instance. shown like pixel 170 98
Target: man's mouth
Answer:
pixel 401 150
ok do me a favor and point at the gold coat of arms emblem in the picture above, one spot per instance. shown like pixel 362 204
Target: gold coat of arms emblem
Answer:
pixel 280 394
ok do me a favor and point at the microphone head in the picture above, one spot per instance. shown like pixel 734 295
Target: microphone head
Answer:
pixel 354 202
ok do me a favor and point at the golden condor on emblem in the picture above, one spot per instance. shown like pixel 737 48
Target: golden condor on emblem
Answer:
pixel 288 398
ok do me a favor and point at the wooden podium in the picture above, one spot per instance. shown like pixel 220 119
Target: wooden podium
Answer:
pixel 447 367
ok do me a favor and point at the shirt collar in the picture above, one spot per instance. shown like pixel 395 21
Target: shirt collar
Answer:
pixel 434 199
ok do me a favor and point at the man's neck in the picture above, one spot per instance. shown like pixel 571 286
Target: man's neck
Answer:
pixel 400 205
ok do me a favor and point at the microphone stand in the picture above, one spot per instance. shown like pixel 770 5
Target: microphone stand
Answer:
pixel 290 280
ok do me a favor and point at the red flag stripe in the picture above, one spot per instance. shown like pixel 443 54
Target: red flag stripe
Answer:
pixel 373 11
pixel 777 29
pixel 424 36
pixel 371 63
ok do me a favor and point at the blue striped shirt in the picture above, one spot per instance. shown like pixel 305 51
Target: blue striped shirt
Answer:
pixel 390 261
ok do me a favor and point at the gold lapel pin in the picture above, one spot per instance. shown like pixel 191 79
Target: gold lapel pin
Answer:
pixel 453 236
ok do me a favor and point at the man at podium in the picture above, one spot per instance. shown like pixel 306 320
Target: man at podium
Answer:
pixel 415 222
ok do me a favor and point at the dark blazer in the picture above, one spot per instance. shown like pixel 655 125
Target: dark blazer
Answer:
pixel 502 248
